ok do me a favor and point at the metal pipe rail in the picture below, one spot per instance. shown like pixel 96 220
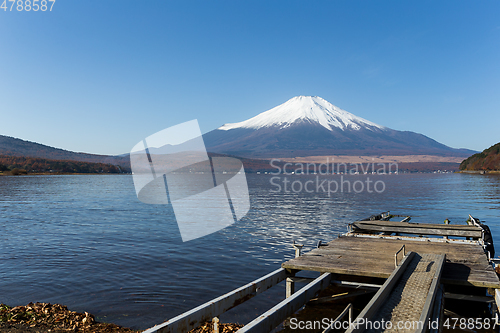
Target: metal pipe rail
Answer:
pixel 276 315
pixel 396 255
pixel 348 309
pixel 205 312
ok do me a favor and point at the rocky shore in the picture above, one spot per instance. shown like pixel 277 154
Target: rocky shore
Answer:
pixel 56 318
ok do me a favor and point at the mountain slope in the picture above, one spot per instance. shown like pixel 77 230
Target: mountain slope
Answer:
pixel 17 147
pixel 488 160
pixel 311 126
pixel 307 109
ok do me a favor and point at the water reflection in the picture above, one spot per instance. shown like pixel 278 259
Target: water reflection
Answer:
pixel 87 242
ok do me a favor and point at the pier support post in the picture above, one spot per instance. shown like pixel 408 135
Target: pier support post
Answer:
pixel 290 283
pixel 215 322
pixel 298 249
pixel 290 287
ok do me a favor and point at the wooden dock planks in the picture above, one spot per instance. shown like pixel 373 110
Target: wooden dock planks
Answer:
pixel 466 264
pixel 418 228
pixel 406 296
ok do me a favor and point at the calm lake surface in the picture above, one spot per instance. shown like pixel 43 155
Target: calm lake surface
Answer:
pixel 88 243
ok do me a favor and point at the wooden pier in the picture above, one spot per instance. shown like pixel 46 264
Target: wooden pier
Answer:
pixel 366 255
pixel 407 295
pixel 419 262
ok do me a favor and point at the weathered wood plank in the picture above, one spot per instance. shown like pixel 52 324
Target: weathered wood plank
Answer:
pixel 424 225
pixel 418 228
pixel 380 297
pixel 473 275
pixel 374 257
pixel 394 302
pixel 433 291
pixel 437 313
pixel 338 297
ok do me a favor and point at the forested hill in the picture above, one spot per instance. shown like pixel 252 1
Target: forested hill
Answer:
pixel 10 146
pixel 25 165
pixel 488 160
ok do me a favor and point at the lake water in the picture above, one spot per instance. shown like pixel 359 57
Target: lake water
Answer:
pixel 88 243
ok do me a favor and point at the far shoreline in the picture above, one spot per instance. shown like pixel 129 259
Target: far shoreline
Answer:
pixel 60 174
pixel 480 172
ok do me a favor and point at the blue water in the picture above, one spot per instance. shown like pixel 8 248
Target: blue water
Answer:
pixel 87 242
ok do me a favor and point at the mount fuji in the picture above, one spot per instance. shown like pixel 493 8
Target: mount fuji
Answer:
pixel 311 126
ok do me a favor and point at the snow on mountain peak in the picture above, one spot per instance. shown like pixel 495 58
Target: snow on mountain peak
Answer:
pixel 313 109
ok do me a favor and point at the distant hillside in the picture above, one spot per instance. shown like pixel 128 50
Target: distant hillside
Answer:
pixel 18 147
pixel 488 160
pixel 19 164
pixel 263 166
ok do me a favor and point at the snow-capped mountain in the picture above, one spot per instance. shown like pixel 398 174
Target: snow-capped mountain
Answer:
pixel 311 109
pixel 311 126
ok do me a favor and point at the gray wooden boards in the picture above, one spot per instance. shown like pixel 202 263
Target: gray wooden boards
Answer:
pixel 466 264
pixel 435 293
pixel 381 295
pixel 407 297
pixel 418 228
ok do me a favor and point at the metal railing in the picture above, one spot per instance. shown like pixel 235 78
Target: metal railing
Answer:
pixel 347 310
pixel 396 255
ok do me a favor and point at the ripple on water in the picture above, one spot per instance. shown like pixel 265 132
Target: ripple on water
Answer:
pixel 87 242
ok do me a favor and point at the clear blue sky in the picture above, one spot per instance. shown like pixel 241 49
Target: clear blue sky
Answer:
pixel 99 75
